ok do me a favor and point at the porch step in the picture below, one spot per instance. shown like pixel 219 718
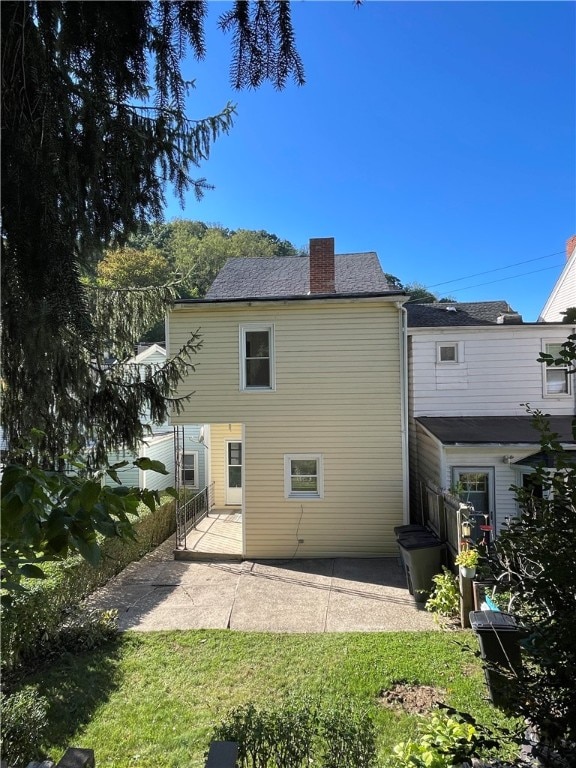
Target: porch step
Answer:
pixel 191 554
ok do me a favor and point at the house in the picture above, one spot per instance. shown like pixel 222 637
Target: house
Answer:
pixel 180 449
pixel 472 368
pixel 563 294
pixel 300 381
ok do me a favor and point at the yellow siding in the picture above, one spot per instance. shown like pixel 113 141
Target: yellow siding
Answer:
pixel 338 393
pixel 219 434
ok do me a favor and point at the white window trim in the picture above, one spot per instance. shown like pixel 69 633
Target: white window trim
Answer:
pixel 546 368
pixel 299 495
pixel 269 327
pixel 455 345
pixel 182 468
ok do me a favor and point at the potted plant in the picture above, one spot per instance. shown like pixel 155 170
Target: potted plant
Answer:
pixel 467 560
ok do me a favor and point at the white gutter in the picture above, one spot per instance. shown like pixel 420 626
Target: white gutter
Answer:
pixel 403 339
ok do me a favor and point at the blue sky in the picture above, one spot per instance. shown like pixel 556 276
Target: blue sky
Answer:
pixel 441 135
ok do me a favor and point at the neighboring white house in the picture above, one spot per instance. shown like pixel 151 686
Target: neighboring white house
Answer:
pixel 472 368
pixel 300 378
pixel 162 444
pixel 563 294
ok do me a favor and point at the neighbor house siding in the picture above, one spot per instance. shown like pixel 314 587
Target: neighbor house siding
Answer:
pixel 338 394
pixel 563 295
pixel 129 475
pixel 160 449
pixel 425 464
pixel 499 371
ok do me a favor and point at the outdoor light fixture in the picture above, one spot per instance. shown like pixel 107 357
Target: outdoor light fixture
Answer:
pixel 466 530
pixel 507 459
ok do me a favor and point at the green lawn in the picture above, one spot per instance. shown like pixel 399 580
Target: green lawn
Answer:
pixel 152 699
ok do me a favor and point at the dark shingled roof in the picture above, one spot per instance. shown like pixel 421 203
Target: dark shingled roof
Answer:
pixel 246 278
pixel 493 429
pixel 466 313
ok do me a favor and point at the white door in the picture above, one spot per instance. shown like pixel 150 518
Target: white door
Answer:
pixel 234 472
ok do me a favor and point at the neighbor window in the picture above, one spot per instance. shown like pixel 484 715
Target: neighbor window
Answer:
pixel 303 476
pixel 257 357
pixel 447 353
pixel 188 469
pixel 556 377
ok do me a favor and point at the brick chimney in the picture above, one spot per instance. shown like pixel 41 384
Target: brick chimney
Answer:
pixel 322 273
pixel 570 245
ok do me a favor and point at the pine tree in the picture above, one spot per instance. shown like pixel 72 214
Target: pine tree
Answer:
pixel 93 127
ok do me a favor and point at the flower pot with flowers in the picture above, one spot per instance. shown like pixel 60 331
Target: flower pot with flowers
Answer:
pixel 467 560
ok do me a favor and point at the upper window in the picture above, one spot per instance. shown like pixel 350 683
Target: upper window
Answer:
pixel 447 353
pixel 303 476
pixel 188 469
pixel 257 357
pixel 556 377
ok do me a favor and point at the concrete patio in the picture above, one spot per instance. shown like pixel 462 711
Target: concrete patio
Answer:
pixel 328 595
pixel 217 536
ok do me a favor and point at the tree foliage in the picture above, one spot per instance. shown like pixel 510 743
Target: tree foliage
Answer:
pixel 46 514
pixel 419 294
pixel 93 128
pixel 198 251
pixel 534 558
pixel 130 268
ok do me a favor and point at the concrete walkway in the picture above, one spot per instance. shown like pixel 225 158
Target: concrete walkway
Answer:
pixel 331 595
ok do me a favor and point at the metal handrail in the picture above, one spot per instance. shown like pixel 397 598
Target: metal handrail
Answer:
pixel 190 512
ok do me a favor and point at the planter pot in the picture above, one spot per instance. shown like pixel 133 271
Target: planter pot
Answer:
pixel 467 573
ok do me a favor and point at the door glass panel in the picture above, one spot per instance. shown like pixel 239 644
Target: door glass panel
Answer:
pixel 234 465
pixel 234 454
pixel 473 489
pixel 235 477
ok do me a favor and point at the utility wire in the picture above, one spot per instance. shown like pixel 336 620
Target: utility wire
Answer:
pixel 501 279
pixel 499 269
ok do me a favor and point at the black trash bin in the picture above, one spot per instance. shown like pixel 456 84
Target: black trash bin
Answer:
pixel 498 635
pixel 421 553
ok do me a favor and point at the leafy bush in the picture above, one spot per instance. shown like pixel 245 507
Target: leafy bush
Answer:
pixel 24 725
pixel 295 735
pixel 534 558
pixel 82 630
pixel 445 597
pixel 348 739
pixel 39 611
pixel 446 739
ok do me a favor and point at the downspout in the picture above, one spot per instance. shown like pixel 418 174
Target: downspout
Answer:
pixel 403 339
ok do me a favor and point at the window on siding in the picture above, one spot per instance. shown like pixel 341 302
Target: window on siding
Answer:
pixel 303 476
pixel 188 468
pixel 257 357
pixel 447 352
pixel 556 377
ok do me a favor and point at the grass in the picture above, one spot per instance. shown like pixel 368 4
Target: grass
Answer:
pixel 153 699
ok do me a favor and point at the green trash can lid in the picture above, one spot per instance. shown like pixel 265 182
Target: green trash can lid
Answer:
pixel 493 620
pixel 419 541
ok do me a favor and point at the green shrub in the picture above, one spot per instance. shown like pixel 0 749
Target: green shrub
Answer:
pixel 445 597
pixel 39 611
pixel 24 725
pixel 82 630
pixel 445 740
pixel 298 734
pixel 348 739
